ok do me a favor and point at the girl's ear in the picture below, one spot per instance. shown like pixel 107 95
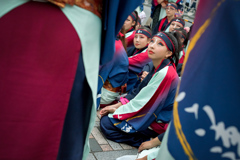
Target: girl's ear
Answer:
pixel 169 54
pixel 149 40
pixel 182 40
pixel 133 23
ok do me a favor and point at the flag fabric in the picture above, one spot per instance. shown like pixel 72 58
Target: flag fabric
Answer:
pixel 205 121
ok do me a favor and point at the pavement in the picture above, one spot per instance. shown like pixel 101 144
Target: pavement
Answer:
pixel 104 149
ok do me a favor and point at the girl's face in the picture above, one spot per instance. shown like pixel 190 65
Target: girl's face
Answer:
pixel 128 23
pixel 140 41
pixel 174 25
pixel 157 49
pixel 170 11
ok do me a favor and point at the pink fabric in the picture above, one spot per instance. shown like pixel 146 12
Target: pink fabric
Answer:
pixel 155 2
pixel 124 100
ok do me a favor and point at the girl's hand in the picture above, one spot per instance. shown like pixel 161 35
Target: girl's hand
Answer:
pixel 145 145
pixel 144 74
pixel 110 109
pixel 149 144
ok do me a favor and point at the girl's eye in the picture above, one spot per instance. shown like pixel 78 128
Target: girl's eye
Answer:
pixel 160 43
pixel 151 41
pixel 141 37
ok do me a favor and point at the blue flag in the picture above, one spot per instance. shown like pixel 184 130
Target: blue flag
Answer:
pixel 206 122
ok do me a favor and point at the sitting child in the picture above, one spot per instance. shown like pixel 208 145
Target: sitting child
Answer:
pixel 176 22
pixel 146 110
pixel 130 26
pixel 138 55
pixel 164 23
pixel 114 74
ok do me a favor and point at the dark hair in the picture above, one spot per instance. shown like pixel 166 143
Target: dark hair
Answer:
pixel 180 18
pixel 135 12
pixel 175 38
pixel 184 32
pixel 147 26
pixel 122 38
pixel 147 29
pixel 188 36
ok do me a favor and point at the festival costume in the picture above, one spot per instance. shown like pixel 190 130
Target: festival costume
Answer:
pixel 129 36
pixel 143 111
pixel 137 60
pixel 161 25
pixel 113 75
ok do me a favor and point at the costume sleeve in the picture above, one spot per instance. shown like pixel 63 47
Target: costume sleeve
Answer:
pixel 148 67
pixel 129 39
pixel 160 82
pixel 155 28
pixel 136 90
pixel 137 62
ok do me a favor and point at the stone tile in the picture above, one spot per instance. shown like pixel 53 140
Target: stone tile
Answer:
pixel 97 124
pixel 114 145
pixel 112 155
pixel 97 119
pixel 91 136
pixel 98 114
pixel 106 147
pixel 125 146
pixel 98 136
pixel 94 146
pixel 91 157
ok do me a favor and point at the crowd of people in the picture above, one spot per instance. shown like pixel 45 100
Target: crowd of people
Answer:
pixel 61 60
pixel 138 86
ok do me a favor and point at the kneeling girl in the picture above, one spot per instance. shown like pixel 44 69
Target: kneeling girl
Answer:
pixel 146 110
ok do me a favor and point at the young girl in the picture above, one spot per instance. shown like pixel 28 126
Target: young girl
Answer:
pixel 130 25
pixel 183 34
pixel 176 22
pixel 114 74
pixel 138 55
pixel 164 23
pixel 145 112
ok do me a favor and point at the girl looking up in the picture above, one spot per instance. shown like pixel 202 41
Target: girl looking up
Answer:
pixel 146 110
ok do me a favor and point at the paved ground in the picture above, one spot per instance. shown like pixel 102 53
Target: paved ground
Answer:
pixel 104 149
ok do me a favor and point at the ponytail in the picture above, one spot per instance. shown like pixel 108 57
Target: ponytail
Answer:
pixel 175 38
